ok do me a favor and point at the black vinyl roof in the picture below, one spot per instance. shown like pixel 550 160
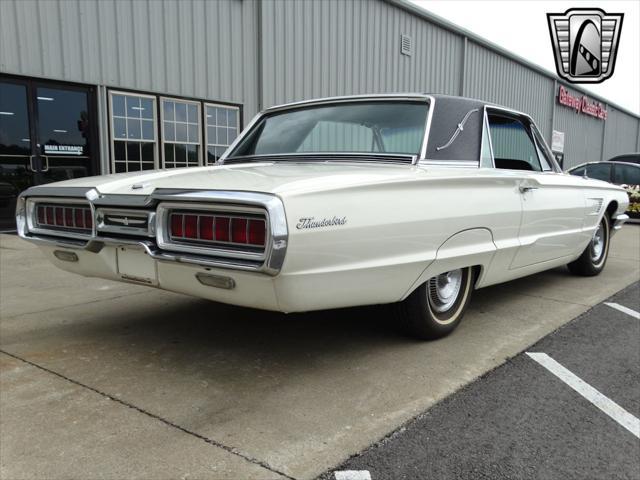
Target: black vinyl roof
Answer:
pixel 448 113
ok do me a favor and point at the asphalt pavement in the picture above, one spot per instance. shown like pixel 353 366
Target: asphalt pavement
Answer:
pixel 520 421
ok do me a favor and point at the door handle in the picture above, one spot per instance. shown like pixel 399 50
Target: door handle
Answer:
pixel 31 167
pixel 526 188
pixel 46 160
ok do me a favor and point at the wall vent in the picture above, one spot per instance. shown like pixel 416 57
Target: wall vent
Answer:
pixel 405 45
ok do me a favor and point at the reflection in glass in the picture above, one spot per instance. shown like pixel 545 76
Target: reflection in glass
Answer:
pixel 181 112
pixel 168 110
pixel 118 105
pixel 147 108
pixel 134 129
pixel 147 130
pixel 119 128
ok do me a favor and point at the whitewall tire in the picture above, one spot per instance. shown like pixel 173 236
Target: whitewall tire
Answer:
pixel 435 308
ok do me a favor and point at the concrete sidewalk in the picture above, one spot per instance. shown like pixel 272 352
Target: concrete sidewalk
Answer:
pixel 107 380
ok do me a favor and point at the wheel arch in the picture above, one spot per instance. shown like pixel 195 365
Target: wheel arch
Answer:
pixel 472 247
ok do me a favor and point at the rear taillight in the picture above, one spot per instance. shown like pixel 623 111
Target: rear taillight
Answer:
pixel 231 229
pixel 64 217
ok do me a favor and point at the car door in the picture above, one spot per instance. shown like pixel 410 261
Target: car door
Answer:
pixel 552 207
pixel 626 174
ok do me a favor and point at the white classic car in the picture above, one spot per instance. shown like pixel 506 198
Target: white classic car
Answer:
pixel 412 199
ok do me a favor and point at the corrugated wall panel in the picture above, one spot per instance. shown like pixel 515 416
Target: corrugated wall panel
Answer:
pixel 342 47
pixel 492 77
pixel 191 48
pixel 583 134
pixel 620 134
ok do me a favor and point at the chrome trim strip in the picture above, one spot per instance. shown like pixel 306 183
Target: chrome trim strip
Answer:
pixel 349 98
pixel 619 221
pixel 451 163
pixel 427 129
pixel 486 126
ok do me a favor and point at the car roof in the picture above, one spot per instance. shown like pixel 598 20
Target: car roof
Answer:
pixel 448 112
pixel 613 162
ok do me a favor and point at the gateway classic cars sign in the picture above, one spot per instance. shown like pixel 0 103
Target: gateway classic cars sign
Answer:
pixel 581 104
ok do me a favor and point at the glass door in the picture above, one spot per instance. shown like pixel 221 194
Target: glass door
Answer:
pixel 64 132
pixel 17 167
pixel 47 131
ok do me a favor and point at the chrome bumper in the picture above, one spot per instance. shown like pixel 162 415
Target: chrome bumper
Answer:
pixel 619 220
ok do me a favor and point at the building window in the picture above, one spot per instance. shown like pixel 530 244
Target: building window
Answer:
pixel 133 127
pixel 222 129
pixel 180 133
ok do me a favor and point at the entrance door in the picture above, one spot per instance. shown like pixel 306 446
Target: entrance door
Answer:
pixel 47 131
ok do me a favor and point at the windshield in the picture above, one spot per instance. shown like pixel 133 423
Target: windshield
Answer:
pixel 392 127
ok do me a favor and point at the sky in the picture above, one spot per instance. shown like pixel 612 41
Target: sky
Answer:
pixel 521 27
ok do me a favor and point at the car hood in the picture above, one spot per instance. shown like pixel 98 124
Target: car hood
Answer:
pixel 276 178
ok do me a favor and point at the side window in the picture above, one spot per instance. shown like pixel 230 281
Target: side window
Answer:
pixel 578 171
pixel 626 174
pixel 599 171
pixel 513 147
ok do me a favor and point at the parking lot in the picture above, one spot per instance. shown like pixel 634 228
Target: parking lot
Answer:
pixel 110 380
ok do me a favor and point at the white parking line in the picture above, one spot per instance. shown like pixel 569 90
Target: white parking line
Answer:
pixel 623 309
pixel 353 475
pixel 608 406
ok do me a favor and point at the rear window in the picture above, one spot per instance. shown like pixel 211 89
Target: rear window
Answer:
pixel 394 127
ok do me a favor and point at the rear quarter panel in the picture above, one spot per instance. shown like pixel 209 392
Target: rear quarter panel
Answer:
pixel 392 235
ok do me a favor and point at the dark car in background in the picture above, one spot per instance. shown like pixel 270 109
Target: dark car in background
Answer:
pixel 627 157
pixel 623 170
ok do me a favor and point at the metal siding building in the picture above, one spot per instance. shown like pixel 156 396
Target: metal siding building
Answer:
pixel 217 63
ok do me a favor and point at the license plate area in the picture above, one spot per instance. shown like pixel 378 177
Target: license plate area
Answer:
pixel 134 265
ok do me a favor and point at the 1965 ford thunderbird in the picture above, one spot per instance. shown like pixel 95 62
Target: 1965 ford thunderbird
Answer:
pixel 408 198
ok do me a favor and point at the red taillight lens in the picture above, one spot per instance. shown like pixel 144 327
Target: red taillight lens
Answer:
pixel 176 225
pixel 239 230
pixel 88 220
pixel 257 231
pixel 50 220
pixel 222 229
pixel 79 214
pixel 68 217
pixel 191 226
pixel 206 228
pixel 59 217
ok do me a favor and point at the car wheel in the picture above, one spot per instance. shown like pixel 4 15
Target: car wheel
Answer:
pixel 435 308
pixel 592 260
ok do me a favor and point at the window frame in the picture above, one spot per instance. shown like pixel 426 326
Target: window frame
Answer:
pixel 205 126
pixel 158 154
pixel 529 128
pixel 111 131
pixel 198 105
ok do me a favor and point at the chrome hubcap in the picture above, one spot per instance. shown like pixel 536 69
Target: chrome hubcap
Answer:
pixel 444 290
pixel 597 244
